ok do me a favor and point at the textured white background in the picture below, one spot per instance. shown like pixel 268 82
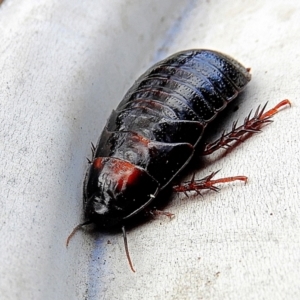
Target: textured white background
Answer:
pixel 64 65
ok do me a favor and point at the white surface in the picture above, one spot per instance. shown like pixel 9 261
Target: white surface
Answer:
pixel 64 66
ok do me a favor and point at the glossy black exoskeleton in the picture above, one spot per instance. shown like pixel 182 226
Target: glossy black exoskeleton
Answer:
pixel 152 134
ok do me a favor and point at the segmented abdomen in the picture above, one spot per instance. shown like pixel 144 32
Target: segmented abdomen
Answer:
pixel 162 117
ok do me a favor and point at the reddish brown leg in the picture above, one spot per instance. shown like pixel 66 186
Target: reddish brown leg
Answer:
pixel 206 183
pixel 250 126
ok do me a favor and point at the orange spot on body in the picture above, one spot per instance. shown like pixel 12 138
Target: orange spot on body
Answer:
pixel 97 163
pixel 125 172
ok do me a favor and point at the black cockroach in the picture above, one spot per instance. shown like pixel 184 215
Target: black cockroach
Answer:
pixel 152 135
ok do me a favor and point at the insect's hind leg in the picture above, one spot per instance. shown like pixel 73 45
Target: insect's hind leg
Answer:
pixel 250 126
pixel 237 134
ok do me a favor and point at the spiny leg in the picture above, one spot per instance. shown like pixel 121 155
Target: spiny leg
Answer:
pixel 206 183
pixel 237 134
pixel 93 148
pixel 251 125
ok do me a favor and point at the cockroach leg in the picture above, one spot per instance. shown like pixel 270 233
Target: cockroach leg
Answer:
pixel 206 183
pixel 93 148
pixel 250 126
pixel 155 212
pixel 270 113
